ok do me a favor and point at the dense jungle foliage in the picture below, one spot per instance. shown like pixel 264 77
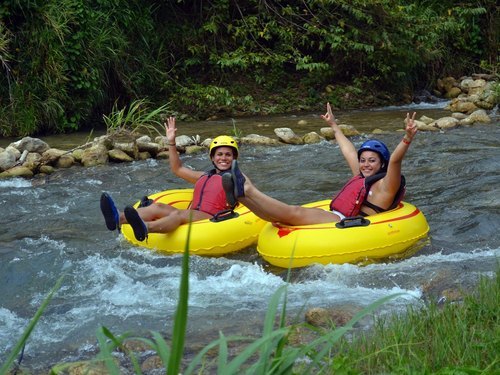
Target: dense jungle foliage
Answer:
pixel 66 63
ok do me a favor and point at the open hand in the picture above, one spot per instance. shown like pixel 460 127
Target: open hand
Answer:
pixel 170 129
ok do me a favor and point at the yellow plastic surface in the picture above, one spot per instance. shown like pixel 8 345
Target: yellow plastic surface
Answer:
pixel 390 234
pixel 205 237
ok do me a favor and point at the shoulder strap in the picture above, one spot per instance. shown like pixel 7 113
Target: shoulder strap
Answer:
pixel 397 198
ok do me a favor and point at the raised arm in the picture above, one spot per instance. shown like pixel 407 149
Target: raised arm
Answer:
pixel 346 146
pixel 173 157
pixel 393 177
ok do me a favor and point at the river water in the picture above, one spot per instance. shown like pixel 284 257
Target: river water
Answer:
pixel 53 226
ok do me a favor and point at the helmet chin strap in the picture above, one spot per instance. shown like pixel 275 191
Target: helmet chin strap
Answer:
pixel 220 170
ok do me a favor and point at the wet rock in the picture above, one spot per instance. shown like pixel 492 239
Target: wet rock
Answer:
pixel 78 155
pixel 480 116
pixel 458 105
pixel 130 148
pixel 18 171
pixel 458 115
pixel 95 155
pixel 422 126
pixel 446 122
pixel 65 161
pixel 51 156
pixel 150 147
pixel 84 368
pixel 473 86
pixel 300 335
pixel 183 141
pixel 255 139
pixel 162 155
pixel 347 130
pixel 444 85
pixel 451 295
pixel 105 141
pixel 47 169
pixel 321 317
pixel 287 135
pixel 144 155
pixel 152 363
pixel 194 149
pixel 425 120
pixel 119 156
pixel 135 346
pixel 311 138
pixel 454 92
pixel 31 145
pixel 7 159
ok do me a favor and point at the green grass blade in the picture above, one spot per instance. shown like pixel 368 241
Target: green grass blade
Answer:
pixel 162 348
pixel 197 359
pixel 268 340
pixel 27 332
pixel 106 350
pixel 330 339
pixel 268 347
pixel 180 321
pixel 222 357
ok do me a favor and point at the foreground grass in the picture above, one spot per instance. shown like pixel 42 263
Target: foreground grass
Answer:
pixel 456 338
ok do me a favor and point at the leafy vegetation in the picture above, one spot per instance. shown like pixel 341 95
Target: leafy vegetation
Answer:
pixel 64 63
pixel 135 118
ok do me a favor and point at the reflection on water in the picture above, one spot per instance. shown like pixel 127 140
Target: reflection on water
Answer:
pixel 55 227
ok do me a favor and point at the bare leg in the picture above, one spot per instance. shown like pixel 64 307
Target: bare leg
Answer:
pixel 153 212
pixel 174 219
pixel 270 209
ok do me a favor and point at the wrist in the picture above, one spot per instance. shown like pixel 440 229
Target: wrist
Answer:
pixel 172 144
pixel 406 140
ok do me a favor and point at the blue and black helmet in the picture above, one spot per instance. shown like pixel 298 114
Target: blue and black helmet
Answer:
pixel 376 146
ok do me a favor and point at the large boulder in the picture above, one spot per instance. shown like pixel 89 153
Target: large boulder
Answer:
pixel 95 155
pixel 256 139
pixel 311 138
pixel 31 145
pixel 19 171
pixel 8 159
pixel 287 135
pixel 447 122
pixel 480 116
pixel 461 105
pixel 119 156
pixel 347 130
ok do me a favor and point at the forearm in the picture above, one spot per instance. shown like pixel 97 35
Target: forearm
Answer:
pixel 173 158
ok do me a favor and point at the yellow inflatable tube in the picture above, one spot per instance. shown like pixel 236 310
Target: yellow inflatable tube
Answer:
pixel 206 237
pixel 385 235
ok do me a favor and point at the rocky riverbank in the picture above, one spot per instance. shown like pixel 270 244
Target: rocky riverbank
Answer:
pixel 472 100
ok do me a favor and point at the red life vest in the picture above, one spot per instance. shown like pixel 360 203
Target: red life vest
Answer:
pixel 353 194
pixel 209 195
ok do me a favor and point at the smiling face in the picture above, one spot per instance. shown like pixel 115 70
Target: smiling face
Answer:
pixel 369 163
pixel 223 157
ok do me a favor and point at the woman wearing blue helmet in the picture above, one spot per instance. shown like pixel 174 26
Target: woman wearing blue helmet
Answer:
pixel 377 184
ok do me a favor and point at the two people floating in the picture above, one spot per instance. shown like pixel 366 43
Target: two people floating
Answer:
pixel 377 185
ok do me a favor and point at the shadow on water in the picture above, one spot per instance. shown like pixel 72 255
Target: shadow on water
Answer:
pixel 55 227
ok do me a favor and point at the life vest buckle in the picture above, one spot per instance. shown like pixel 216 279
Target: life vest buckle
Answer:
pixel 224 215
pixel 353 221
